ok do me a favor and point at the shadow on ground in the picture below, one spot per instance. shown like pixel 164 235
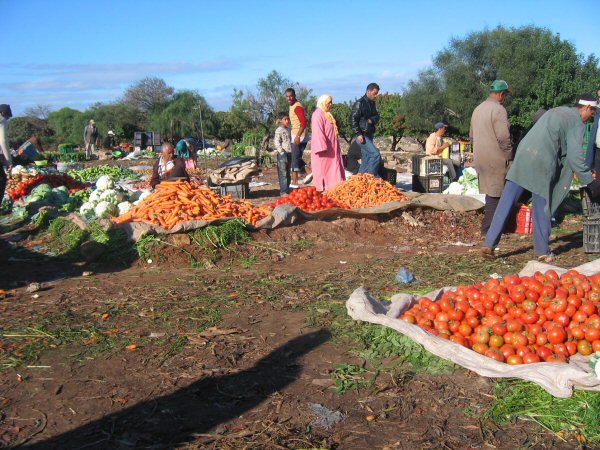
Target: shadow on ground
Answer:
pixel 178 418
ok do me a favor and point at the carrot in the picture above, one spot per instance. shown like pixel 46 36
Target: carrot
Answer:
pixel 364 191
pixel 174 202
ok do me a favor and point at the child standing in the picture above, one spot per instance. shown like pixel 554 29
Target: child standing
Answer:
pixel 283 140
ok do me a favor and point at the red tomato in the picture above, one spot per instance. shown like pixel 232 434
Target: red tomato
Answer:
pixel 563 319
pixel 556 358
pixel 588 308
pixel 592 334
pixel 514 360
pixel 507 350
pixel 544 352
pixel 480 347
pixel 596 346
pixel 557 335
pixel 495 353
pixel 531 358
pixel 571 347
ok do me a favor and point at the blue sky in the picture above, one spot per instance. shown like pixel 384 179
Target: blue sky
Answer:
pixel 75 53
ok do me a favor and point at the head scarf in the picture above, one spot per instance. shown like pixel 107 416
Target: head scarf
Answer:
pixel 321 105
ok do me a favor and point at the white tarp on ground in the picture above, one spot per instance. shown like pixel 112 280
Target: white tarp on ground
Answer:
pixel 558 379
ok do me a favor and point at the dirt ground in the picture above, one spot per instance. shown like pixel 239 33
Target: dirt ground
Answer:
pixel 234 353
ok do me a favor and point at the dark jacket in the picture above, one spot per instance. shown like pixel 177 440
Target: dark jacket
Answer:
pixel 178 171
pixel 90 134
pixel 363 110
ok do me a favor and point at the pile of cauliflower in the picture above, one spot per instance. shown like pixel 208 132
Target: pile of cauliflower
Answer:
pixel 106 201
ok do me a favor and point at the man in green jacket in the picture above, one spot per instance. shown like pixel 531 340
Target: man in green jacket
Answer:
pixel 545 161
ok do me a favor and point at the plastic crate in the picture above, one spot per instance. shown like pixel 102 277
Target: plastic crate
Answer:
pixel 430 183
pixel 425 165
pixel 390 176
pixel 590 208
pixel 591 234
pixel 238 191
pixel 524 220
pixel 520 221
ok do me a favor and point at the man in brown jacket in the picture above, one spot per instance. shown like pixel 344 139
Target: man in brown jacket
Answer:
pixel 492 148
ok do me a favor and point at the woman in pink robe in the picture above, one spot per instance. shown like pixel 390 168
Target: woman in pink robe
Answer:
pixel 325 153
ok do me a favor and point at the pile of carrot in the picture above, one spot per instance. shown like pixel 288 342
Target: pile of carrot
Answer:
pixel 174 202
pixel 364 191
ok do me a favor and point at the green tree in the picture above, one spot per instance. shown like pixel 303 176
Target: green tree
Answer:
pixel 391 122
pixel 119 117
pixel 68 125
pixel 423 102
pixel 341 113
pixel 22 128
pixel 181 117
pixel 263 104
pixel 542 70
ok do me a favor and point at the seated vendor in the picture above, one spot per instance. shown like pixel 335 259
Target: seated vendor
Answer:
pixel 435 147
pixel 168 166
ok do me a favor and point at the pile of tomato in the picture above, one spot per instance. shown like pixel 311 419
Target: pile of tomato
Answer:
pixel 518 320
pixel 308 199
pixel 54 180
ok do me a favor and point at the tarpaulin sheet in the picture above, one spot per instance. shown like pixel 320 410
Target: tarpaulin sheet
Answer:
pixel 558 379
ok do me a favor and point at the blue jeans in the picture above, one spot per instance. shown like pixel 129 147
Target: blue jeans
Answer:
pixel 370 158
pixel 284 162
pixel 542 219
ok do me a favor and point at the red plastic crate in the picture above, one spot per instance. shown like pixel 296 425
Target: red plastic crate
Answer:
pixel 524 220
pixel 521 221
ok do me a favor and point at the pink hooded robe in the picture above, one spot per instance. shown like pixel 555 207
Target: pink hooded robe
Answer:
pixel 325 154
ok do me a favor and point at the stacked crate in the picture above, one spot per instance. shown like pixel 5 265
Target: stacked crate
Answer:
pixel 591 223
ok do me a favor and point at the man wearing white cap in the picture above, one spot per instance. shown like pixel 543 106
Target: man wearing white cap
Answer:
pixel 545 161
pixel 90 135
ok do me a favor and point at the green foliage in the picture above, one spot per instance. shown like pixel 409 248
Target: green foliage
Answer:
pixel 578 415
pixel 423 102
pixel 63 157
pixel 180 117
pixel 391 121
pixel 222 236
pixel 349 377
pixel 21 129
pixel 122 119
pixel 542 70
pixel 380 342
pixel 67 236
pixel 68 124
pixel 341 113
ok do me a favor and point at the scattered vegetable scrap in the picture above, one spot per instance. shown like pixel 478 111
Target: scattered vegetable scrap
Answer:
pixel 518 320
pixel 174 202
pixel 365 191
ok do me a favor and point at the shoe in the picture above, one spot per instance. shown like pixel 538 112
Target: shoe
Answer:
pixel 488 253
pixel 307 179
pixel 294 186
pixel 548 259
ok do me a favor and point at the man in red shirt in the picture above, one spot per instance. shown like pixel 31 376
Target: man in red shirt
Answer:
pixel 299 136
